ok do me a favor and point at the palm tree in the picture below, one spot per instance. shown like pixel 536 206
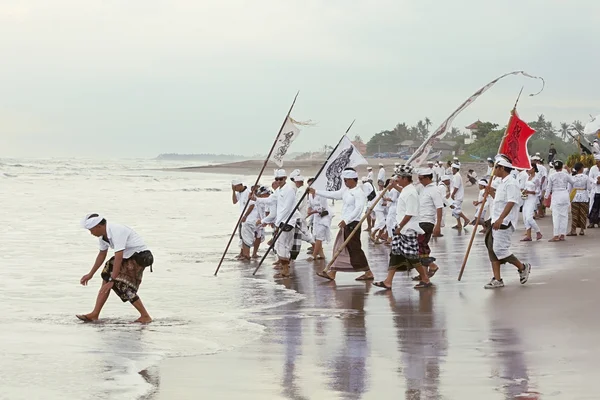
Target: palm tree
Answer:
pixel 564 130
pixel 427 123
pixel 358 139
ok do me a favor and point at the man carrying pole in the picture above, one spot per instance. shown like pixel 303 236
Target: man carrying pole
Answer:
pixel 286 211
pixel 286 135
pixel 504 217
pixel 405 245
pixel 353 258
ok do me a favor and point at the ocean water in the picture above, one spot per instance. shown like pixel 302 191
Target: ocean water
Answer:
pixel 184 217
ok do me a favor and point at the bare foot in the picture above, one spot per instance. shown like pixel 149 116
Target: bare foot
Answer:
pixel 144 319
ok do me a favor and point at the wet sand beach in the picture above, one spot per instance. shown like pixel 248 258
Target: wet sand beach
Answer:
pixel 351 340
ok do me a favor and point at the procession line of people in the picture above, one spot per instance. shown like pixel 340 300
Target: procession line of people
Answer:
pixel 408 215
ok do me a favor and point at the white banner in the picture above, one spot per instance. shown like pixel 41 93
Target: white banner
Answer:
pixel 344 156
pixel 288 135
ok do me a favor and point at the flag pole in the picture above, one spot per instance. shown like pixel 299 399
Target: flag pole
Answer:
pixel 272 245
pixel 356 228
pixel 487 192
pixel 257 181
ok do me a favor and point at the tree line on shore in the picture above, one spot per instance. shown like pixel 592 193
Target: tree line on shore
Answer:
pixel 486 137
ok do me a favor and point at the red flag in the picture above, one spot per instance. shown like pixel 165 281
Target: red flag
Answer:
pixel 515 145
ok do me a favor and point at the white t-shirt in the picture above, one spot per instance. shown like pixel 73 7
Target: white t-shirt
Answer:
pixel 430 200
pixel 122 238
pixel 408 204
pixel 507 192
pixel 457 183
pixel 242 198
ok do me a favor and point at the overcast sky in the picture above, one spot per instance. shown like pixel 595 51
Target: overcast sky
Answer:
pixel 138 78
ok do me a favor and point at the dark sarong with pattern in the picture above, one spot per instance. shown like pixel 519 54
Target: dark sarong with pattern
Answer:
pixel 405 252
pixel 594 216
pixel 128 282
pixel 352 258
pixel 424 249
pixel 579 213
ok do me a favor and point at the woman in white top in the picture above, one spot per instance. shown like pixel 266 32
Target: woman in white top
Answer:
pixel 558 187
pixel 530 204
pixel 579 200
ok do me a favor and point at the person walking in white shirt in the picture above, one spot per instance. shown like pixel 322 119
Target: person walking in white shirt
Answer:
pixel 579 200
pixel 457 194
pixel 529 190
pixel 505 212
pixel 430 215
pixel 286 202
pixel 405 246
pixel 558 188
pixel 352 258
pixel 594 175
pixel 381 177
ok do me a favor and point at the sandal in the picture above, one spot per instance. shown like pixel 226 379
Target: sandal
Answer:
pixel 430 274
pixel 526 239
pixel 539 236
pixel 84 318
pixel 382 285
pixel 423 285
pixel 571 234
pixel 581 233
pixel 280 275
pixel 364 277
pixel 325 275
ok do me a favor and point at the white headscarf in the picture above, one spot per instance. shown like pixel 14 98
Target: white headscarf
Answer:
pixel 349 174
pixel 89 223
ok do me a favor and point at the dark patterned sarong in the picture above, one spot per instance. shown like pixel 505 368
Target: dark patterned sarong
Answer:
pixel 405 251
pixel 595 211
pixel 579 212
pixel 423 240
pixel 128 282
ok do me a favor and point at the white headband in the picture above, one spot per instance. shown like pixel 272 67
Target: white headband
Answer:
pixel 236 182
pixel 482 182
pixel 446 178
pixel 597 157
pixel 457 166
pixel 280 173
pixel 503 162
pixel 298 178
pixel 89 223
pixel 425 171
pixel 349 174
pixel 369 168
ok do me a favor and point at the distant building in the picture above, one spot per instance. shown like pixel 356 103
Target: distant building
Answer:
pixel 472 132
pixel 361 147
pixel 445 146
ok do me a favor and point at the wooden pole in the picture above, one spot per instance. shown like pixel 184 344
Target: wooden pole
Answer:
pixel 299 202
pixel 356 228
pixel 486 193
pixel 257 181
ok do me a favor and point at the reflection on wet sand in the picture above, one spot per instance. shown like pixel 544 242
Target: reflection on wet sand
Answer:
pixel 422 343
pixel 510 364
pixel 347 370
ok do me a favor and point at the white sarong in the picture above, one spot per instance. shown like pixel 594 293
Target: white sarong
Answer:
pixel 560 212
pixel 502 242
pixel 283 245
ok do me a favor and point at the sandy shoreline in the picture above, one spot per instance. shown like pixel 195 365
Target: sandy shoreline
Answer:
pixel 350 340
pixel 308 167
